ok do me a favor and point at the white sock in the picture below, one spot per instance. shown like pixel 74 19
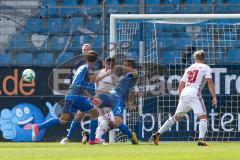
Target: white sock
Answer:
pixel 102 128
pixel 202 128
pixel 166 125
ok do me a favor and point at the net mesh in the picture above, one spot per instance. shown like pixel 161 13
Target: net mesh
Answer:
pixel 168 47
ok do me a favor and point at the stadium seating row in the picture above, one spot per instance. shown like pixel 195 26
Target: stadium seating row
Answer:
pixel 41 35
pixel 47 59
pixel 28 59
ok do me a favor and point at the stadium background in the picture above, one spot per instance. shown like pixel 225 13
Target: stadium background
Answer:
pixel 44 34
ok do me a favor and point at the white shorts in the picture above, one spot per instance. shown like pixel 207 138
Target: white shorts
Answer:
pixel 187 104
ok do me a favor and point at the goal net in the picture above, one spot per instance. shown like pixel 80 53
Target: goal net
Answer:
pixel 163 46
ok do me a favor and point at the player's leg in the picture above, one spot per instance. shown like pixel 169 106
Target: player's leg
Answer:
pixel 74 125
pixel 106 122
pixel 102 128
pixel 200 110
pixel 182 108
pixel 118 120
pixel 66 116
pixel 93 126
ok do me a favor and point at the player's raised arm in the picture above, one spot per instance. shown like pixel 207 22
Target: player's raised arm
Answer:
pixel 129 66
pixel 127 69
pixel 99 77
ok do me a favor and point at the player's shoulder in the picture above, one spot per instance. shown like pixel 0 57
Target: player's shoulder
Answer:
pixel 83 67
pixel 206 67
pixel 79 63
pixel 100 72
pixel 200 65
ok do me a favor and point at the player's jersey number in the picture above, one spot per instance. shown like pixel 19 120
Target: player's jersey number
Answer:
pixel 192 76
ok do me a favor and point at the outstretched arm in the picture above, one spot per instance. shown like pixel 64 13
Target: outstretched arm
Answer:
pixel 98 77
pixel 212 91
pixel 125 69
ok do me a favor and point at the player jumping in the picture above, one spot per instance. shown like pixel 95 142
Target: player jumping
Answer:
pixel 190 88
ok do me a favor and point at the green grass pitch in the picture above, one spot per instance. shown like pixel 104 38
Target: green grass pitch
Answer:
pixel 78 151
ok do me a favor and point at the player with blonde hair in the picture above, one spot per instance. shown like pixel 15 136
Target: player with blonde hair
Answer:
pixel 190 87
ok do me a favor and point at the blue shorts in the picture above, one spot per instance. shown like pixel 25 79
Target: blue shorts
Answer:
pixel 113 101
pixel 73 103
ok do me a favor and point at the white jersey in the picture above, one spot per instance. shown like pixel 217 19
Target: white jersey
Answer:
pixel 106 84
pixel 195 79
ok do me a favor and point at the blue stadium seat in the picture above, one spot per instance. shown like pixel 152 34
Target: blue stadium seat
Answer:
pixel 77 42
pixel 59 42
pixel 54 25
pixel 69 7
pixel 76 23
pixel 112 6
pixel 130 6
pixel 33 25
pixel 180 42
pixel 18 42
pixel 24 59
pixel 134 2
pixel 170 57
pixel 165 42
pixel 112 2
pixel 95 25
pixel 152 6
pixel 153 2
pixel 49 8
pixel 233 56
pixel 167 6
pixel 97 43
pixel 49 2
pixel 64 57
pixel 44 59
pixel 194 5
pixel 133 55
pixel 231 6
pixel 6 59
pixel 90 2
pixel 91 7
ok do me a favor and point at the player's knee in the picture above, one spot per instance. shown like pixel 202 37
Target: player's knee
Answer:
pixel 94 114
pixel 78 116
pixel 111 125
pixel 202 117
pixel 177 117
pixel 104 125
pixel 65 118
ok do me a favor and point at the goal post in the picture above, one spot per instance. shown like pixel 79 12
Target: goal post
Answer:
pixel 163 44
pixel 115 17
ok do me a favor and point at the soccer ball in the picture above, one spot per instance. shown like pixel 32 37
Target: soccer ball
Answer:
pixel 28 75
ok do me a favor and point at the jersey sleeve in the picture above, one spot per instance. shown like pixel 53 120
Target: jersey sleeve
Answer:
pixel 79 76
pixel 184 77
pixel 208 73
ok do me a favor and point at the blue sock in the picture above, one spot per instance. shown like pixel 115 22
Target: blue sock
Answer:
pixel 49 123
pixel 72 129
pixel 124 128
pixel 93 128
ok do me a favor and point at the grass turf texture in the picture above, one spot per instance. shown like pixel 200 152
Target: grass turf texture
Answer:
pixel 76 151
